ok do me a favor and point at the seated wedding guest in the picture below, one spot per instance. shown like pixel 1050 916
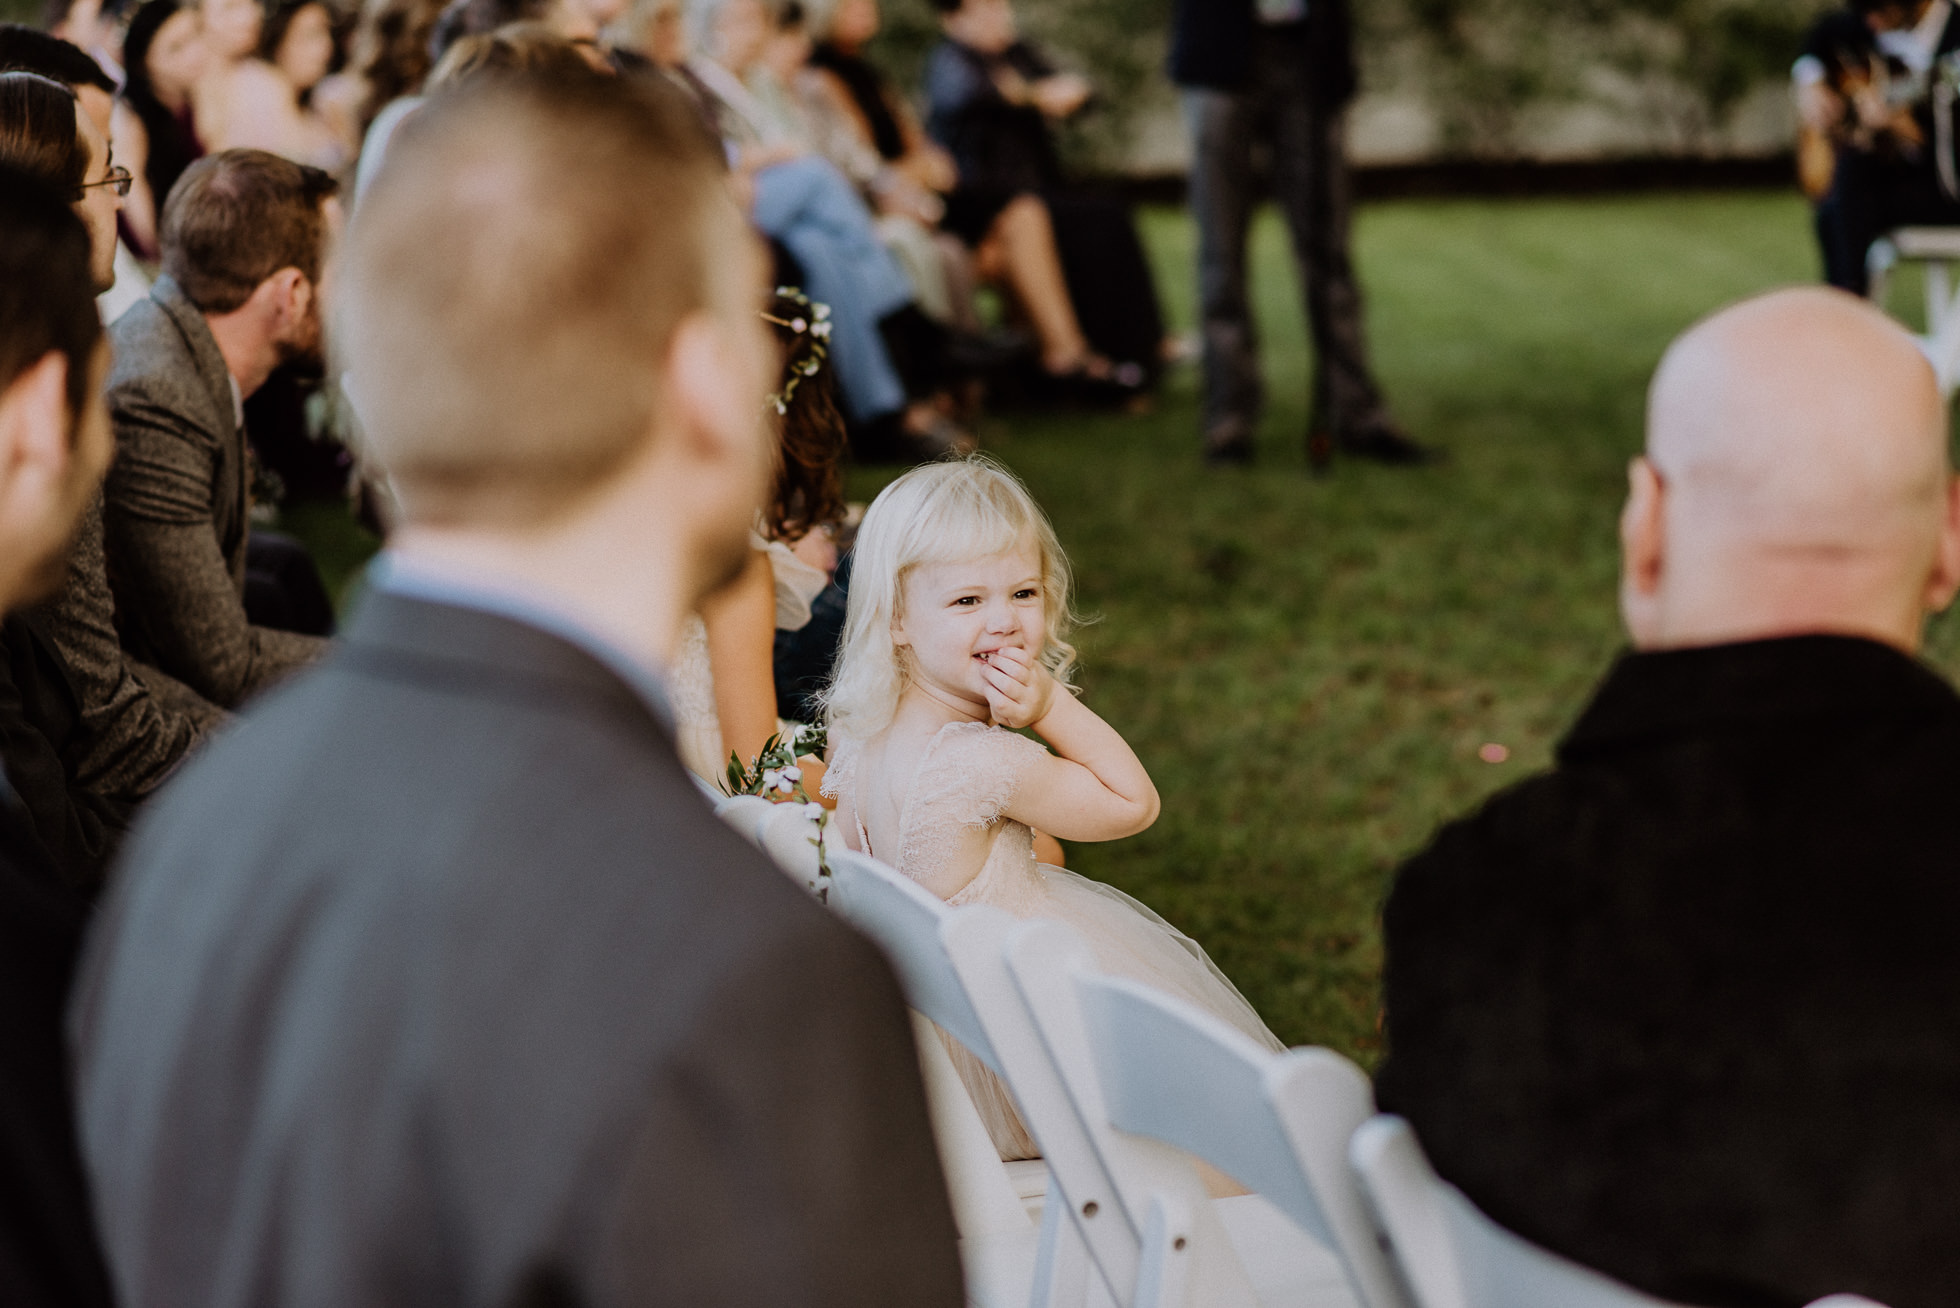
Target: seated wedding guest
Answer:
pixel 54 443
pixel 278 101
pixel 23 49
pixel 130 725
pixel 439 981
pixel 727 674
pixel 231 38
pixel 1072 259
pixel 1682 1009
pixel 391 58
pixel 91 28
pixel 885 351
pixel 245 236
pixel 860 123
pixel 166 57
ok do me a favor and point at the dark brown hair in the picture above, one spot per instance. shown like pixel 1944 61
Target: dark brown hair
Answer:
pixel 47 292
pixel 236 218
pixel 809 491
pixel 391 50
pixel 41 132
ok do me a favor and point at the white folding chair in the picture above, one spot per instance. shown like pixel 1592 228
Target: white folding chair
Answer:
pixel 1279 1123
pixel 1452 1256
pixel 949 963
pixel 1939 249
pixel 1177 1245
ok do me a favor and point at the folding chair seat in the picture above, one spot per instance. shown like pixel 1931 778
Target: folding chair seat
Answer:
pixel 1450 1255
pixel 1179 1246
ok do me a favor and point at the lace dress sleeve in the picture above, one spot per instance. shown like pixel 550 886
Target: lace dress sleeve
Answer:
pixel 972 773
pixel 839 772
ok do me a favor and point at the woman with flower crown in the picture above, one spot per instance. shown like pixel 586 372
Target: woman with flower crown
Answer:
pixel 724 680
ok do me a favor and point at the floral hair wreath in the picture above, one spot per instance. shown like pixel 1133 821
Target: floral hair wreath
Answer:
pixel 815 324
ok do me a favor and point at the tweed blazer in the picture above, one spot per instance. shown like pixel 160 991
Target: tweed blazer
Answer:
pixel 176 508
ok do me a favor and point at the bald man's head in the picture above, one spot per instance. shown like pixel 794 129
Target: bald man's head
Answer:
pixel 1796 479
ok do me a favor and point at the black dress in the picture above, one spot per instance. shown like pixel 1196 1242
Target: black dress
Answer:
pixel 1004 150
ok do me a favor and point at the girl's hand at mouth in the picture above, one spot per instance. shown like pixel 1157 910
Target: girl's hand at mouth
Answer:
pixel 1019 690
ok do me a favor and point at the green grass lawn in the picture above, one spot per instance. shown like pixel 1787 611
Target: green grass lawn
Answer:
pixel 1310 666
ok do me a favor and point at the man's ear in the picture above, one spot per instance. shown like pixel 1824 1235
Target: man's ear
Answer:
pixel 710 393
pixel 35 441
pixel 1643 529
pixel 1945 581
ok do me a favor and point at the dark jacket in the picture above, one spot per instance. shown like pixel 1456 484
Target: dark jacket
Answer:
pixel 1687 1008
pixel 1211 46
pixel 177 510
pixel 41 737
pixel 436 981
pixel 49 1257
pixel 1846 46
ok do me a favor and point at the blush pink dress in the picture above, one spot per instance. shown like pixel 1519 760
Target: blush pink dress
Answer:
pixel 951 816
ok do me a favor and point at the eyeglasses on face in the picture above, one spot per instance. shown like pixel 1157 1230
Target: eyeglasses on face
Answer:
pixel 119 177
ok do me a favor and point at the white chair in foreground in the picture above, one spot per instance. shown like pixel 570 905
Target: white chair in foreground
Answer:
pixel 1452 1256
pixel 948 962
pixel 1939 249
pixel 1172 1243
pixel 1279 1123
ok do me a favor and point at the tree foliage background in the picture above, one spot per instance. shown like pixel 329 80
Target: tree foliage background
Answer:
pixel 1483 67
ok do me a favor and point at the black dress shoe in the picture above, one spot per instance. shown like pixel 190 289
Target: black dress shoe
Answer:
pixel 1386 445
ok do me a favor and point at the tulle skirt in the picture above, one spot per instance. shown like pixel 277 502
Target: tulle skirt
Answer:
pixel 1127 940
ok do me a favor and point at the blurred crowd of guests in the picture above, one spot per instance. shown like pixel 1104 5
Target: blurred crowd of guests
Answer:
pixel 898 224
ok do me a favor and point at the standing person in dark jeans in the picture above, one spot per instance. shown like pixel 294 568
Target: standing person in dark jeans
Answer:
pixel 1282 72
pixel 54 445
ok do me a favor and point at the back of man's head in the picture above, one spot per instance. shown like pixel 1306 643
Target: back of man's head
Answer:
pixel 1796 479
pixel 47 302
pixel 511 286
pixel 236 218
pixel 41 133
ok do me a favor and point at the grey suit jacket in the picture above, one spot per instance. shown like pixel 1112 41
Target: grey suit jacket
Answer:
pixel 135 724
pixel 176 508
pixel 436 982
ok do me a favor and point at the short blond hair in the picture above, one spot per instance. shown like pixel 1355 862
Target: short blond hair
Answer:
pixel 967 508
pixel 512 283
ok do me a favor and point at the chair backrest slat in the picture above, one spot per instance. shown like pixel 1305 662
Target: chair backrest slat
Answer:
pixel 909 923
pixel 1278 1123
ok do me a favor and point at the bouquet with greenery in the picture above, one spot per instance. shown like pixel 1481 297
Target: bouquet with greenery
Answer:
pixel 776 776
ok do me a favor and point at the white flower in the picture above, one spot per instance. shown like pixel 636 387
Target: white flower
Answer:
pixel 793 772
pixel 785 787
pixel 814 811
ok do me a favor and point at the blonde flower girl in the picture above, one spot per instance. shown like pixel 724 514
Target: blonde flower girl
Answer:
pixel 955 639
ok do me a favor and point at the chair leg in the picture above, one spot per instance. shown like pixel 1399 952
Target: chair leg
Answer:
pixel 1164 1269
pixel 1061 1264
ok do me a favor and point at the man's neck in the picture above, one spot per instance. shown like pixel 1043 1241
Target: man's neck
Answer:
pixel 635 609
pixel 247 346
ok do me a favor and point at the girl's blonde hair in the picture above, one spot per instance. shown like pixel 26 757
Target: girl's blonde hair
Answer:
pixel 946 512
